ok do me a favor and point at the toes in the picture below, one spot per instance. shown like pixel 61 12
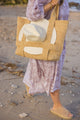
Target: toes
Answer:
pixel 70 114
pixel 62 111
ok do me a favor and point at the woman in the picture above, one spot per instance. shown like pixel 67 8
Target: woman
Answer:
pixel 45 76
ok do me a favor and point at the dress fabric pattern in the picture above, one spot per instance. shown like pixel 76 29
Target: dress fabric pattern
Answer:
pixel 44 76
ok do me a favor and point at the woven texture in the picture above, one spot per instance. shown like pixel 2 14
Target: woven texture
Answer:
pixel 50 51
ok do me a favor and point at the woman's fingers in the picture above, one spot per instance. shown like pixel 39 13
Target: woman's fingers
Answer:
pixel 54 2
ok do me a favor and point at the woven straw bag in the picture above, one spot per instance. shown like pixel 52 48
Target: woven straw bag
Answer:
pixel 43 50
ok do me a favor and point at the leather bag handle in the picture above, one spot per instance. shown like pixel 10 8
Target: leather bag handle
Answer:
pixel 55 12
pixel 53 17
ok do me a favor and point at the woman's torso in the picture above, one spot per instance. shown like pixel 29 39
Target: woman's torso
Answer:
pixel 35 10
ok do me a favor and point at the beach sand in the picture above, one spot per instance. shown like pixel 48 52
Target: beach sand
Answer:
pixel 12 90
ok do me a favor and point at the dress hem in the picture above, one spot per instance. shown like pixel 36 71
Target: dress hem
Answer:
pixel 48 93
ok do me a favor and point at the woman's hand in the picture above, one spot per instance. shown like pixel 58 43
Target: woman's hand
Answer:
pixel 50 5
pixel 54 2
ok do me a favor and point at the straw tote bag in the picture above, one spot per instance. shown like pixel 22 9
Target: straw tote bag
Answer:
pixel 42 39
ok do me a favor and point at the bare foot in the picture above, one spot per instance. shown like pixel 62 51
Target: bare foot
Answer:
pixel 61 112
pixel 27 88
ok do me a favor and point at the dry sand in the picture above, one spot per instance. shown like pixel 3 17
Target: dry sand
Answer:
pixel 12 89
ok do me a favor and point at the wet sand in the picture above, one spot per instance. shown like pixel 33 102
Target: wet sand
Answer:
pixel 12 90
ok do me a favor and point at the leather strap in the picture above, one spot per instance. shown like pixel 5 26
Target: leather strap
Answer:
pixel 55 12
pixel 53 17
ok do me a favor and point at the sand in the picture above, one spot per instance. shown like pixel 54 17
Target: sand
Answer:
pixel 12 89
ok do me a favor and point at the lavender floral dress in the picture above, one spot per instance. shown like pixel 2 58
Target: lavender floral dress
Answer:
pixel 44 76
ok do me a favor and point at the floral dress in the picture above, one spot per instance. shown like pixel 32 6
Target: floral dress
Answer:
pixel 44 76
